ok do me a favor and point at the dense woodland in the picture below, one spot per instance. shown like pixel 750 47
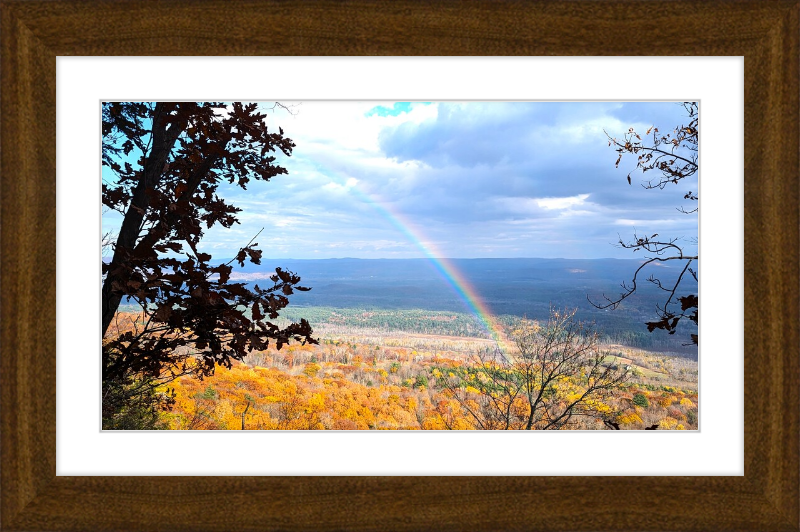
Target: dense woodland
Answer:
pixel 365 379
pixel 393 289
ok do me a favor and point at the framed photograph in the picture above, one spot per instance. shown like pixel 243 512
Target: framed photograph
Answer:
pixel 572 480
pixel 417 290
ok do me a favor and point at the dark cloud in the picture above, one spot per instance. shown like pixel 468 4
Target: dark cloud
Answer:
pixel 474 154
pixel 476 179
pixel 462 135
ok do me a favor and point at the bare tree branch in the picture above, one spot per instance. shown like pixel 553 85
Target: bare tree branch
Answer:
pixel 674 157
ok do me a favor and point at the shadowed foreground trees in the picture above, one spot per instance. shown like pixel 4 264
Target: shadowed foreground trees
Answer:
pixel 673 159
pixel 164 165
pixel 557 376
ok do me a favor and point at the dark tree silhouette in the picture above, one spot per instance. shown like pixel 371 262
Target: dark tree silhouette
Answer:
pixel 168 160
pixel 615 426
pixel 672 157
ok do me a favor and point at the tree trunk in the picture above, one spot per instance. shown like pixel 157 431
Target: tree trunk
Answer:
pixel 163 140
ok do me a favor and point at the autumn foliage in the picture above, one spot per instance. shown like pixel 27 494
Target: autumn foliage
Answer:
pixel 354 386
pixel 163 165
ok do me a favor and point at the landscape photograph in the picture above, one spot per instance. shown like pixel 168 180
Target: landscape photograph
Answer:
pixel 384 265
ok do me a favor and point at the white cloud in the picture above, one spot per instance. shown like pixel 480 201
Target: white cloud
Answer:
pixel 477 179
pixel 645 222
pixel 561 203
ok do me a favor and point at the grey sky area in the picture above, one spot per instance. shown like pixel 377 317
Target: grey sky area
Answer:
pixel 456 180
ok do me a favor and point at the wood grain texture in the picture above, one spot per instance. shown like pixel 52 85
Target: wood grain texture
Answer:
pixel 34 33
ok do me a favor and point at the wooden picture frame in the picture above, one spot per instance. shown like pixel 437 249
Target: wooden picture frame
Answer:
pixel 766 33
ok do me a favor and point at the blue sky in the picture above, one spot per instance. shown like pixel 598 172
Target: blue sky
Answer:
pixel 464 180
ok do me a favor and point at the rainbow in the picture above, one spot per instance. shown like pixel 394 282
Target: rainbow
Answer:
pixel 445 267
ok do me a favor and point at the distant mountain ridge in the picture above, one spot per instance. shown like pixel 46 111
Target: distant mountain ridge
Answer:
pixel 519 287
